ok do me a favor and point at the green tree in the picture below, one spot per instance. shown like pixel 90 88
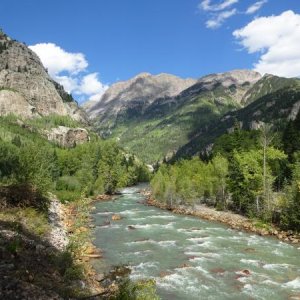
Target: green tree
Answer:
pixel 220 172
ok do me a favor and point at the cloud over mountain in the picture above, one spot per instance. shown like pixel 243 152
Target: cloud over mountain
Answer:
pixel 277 40
pixel 70 70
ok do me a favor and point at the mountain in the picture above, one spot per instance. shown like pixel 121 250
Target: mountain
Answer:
pixel 137 93
pixel 153 116
pixel 272 100
pixel 26 89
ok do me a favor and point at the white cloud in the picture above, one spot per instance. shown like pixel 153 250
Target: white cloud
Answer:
pixel 277 39
pixel 68 69
pixel 219 11
pixel 91 85
pixel 217 20
pixel 255 7
pixel 58 60
pixel 208 6
pixel 69 83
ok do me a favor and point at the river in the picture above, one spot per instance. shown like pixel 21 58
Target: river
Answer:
pixel 192 258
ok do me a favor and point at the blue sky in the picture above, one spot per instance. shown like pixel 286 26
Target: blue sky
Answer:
pixel 111 40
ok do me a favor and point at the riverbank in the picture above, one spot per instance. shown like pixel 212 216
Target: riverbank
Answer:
pixel 46 254
pixel 233 220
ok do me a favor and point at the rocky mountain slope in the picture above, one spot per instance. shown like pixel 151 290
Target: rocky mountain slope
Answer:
pixel 26 89
pixel 137 94
pixel 275 100
pixel 154 122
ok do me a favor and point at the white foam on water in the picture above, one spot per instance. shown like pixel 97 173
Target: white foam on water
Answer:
pixel 129 191
pixel 294 284
pixel 191 231
pixel 167 243
pixel 161 217
pixel 251 262
pixel 153 226
pixel 271 282
pixel 276 266
pixel 198 239
pixel 198 259
pixel 144 226
pixel 110 226
pixel 134 243
pixel 143 268
pixel 128 212
pixel 277 252
pixel 106 213
pixel 209 254
pixel 159 243
pixel 248 287
pixel 141 253
pixel 185 283
pixel 137 219
pixel 243 279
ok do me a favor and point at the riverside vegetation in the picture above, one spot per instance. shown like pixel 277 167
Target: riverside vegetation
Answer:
pixel 255 173
pixel 31 168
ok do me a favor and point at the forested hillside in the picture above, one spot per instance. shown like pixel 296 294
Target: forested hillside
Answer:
pixel 92 168
pixel 255 173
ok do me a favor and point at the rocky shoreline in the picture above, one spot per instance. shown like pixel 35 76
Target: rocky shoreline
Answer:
pixel 233 220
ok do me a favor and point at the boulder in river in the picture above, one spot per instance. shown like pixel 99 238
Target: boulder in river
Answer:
pixel 116 217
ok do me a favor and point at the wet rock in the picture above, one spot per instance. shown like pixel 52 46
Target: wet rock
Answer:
pixel 217 270
pixel 249 250
pixel 131 227
pixel 100 277
pixel 184 266
pixel 246 272
pixel 116 217
pixel 164 274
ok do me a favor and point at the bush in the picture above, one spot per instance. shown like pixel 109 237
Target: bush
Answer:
pixel 139 290
pixel 68 183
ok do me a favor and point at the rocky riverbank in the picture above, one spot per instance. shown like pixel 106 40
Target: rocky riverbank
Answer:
pixel 46 254
pixel 235 221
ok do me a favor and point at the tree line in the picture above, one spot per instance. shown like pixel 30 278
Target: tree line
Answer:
pixel 92 168
pixel 255 173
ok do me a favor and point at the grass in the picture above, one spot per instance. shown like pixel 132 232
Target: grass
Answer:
pixel 32 220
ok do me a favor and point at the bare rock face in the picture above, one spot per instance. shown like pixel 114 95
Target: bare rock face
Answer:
pixel 22 72
pixel 235 83
pixel 14 102
pixel 67 137
pixel 141 91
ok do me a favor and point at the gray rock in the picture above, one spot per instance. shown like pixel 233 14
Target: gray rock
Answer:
pixel 26 89
pixel 141 90
pixel 67 137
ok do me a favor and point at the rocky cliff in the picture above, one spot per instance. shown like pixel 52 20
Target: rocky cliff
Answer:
pixel 138 93
pixel 26 89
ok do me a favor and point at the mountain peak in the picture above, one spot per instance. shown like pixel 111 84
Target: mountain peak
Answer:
pixel 143 89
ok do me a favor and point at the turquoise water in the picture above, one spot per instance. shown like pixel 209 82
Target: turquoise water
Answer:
pixel 192 258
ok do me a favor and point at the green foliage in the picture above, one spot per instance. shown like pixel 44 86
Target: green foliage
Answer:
pixel 239 140
pixel 191 181
pixel 290 206
pixel 291 137
pixel 51 121
pixel 137 290
pixel 245 173
pixel 167 125
pixel 27 159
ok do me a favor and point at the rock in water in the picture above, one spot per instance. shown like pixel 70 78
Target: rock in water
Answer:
pixel 116 217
